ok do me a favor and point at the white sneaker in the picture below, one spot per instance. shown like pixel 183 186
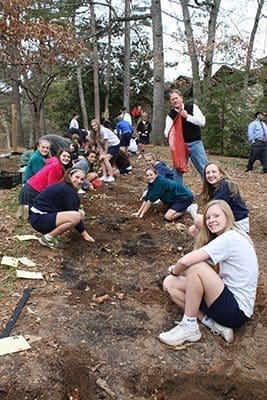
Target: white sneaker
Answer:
pixel 103 178
pixel 180 334
pixel 226 333
pixel 109 179
pixel 81 191
pixel 192 210
pixel 157 201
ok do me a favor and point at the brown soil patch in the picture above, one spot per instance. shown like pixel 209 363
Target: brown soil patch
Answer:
pixel 83 340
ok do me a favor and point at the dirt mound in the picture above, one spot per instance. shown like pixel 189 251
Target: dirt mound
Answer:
pixel 93 321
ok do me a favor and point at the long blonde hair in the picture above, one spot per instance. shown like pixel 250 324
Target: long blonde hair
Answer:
pixel 95 136
pixel 205 236
pixel 208 190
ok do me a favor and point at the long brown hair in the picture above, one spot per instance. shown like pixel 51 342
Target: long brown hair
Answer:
pixel 60 151
pixel 208 190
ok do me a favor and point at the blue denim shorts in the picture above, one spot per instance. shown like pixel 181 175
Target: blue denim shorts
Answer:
pixel 225 310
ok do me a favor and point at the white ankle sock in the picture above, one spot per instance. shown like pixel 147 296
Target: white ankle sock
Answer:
pixel 207 321
pixel 191 322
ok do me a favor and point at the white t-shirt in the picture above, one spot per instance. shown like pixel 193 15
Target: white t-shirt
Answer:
pixel 74 124
pixel 107 134
pixel 238 266
pixel 127 117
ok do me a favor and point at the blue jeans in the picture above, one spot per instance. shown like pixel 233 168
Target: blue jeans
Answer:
pixel 198 156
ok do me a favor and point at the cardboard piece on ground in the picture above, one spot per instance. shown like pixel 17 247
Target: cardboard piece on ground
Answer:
pixel 27 261
pixel 10 261
pixel 26 237
pixel 29 274
pixel 12 344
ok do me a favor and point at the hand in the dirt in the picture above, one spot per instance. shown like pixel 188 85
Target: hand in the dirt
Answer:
pixel 87 237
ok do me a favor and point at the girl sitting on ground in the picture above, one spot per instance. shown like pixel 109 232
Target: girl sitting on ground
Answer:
pixel 37 160
pixel 160 166
pixel 221 301
pixel 57 209
pixel 172 193
pixel 51 173
pixel 87 164
pixel 107 144
pixel 218 186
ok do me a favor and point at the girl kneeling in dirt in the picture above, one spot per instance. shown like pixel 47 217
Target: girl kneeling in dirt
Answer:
pixel 221 301
pixel 57 209
pixel 172 193
pixel 218 186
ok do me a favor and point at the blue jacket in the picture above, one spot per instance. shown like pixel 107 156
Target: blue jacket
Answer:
pixel 123 127
pixel 238 206
pixel 163 170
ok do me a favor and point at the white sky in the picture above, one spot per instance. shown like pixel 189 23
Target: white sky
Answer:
pixel 236 17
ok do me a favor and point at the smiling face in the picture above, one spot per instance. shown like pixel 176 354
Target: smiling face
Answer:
pixel 176 100
pixel 77 179
pixel 213 174
pixel 65 158
pixel 91 158
pixel 149 160
pixel 216 220
pixel 150 175
pixel 44 147
pixel 94 125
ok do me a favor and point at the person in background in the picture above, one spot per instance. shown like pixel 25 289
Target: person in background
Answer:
pixel 217 185
pixel 160 166
pixel 51 173
pixel 124 132
pixel 257 137
pixel 57 143
pixel 87 164
pixel 107 144
pixel 182 129
pixel 37 160
pixel 74 148
pixel 143 129
pixel 136 114
pixel 126 116
pixel 221 301
pixel 121 164
pixel 172 193
pixel 24 159
pixel 57 209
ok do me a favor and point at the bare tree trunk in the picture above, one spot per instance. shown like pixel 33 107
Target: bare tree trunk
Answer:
pixel 16 101
pixel 215 6
pixel 108 73
pixel 251 43
pixel 127 56
pixel 82 99
pixel 95 61
pixel 192 48
pixel 158 117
